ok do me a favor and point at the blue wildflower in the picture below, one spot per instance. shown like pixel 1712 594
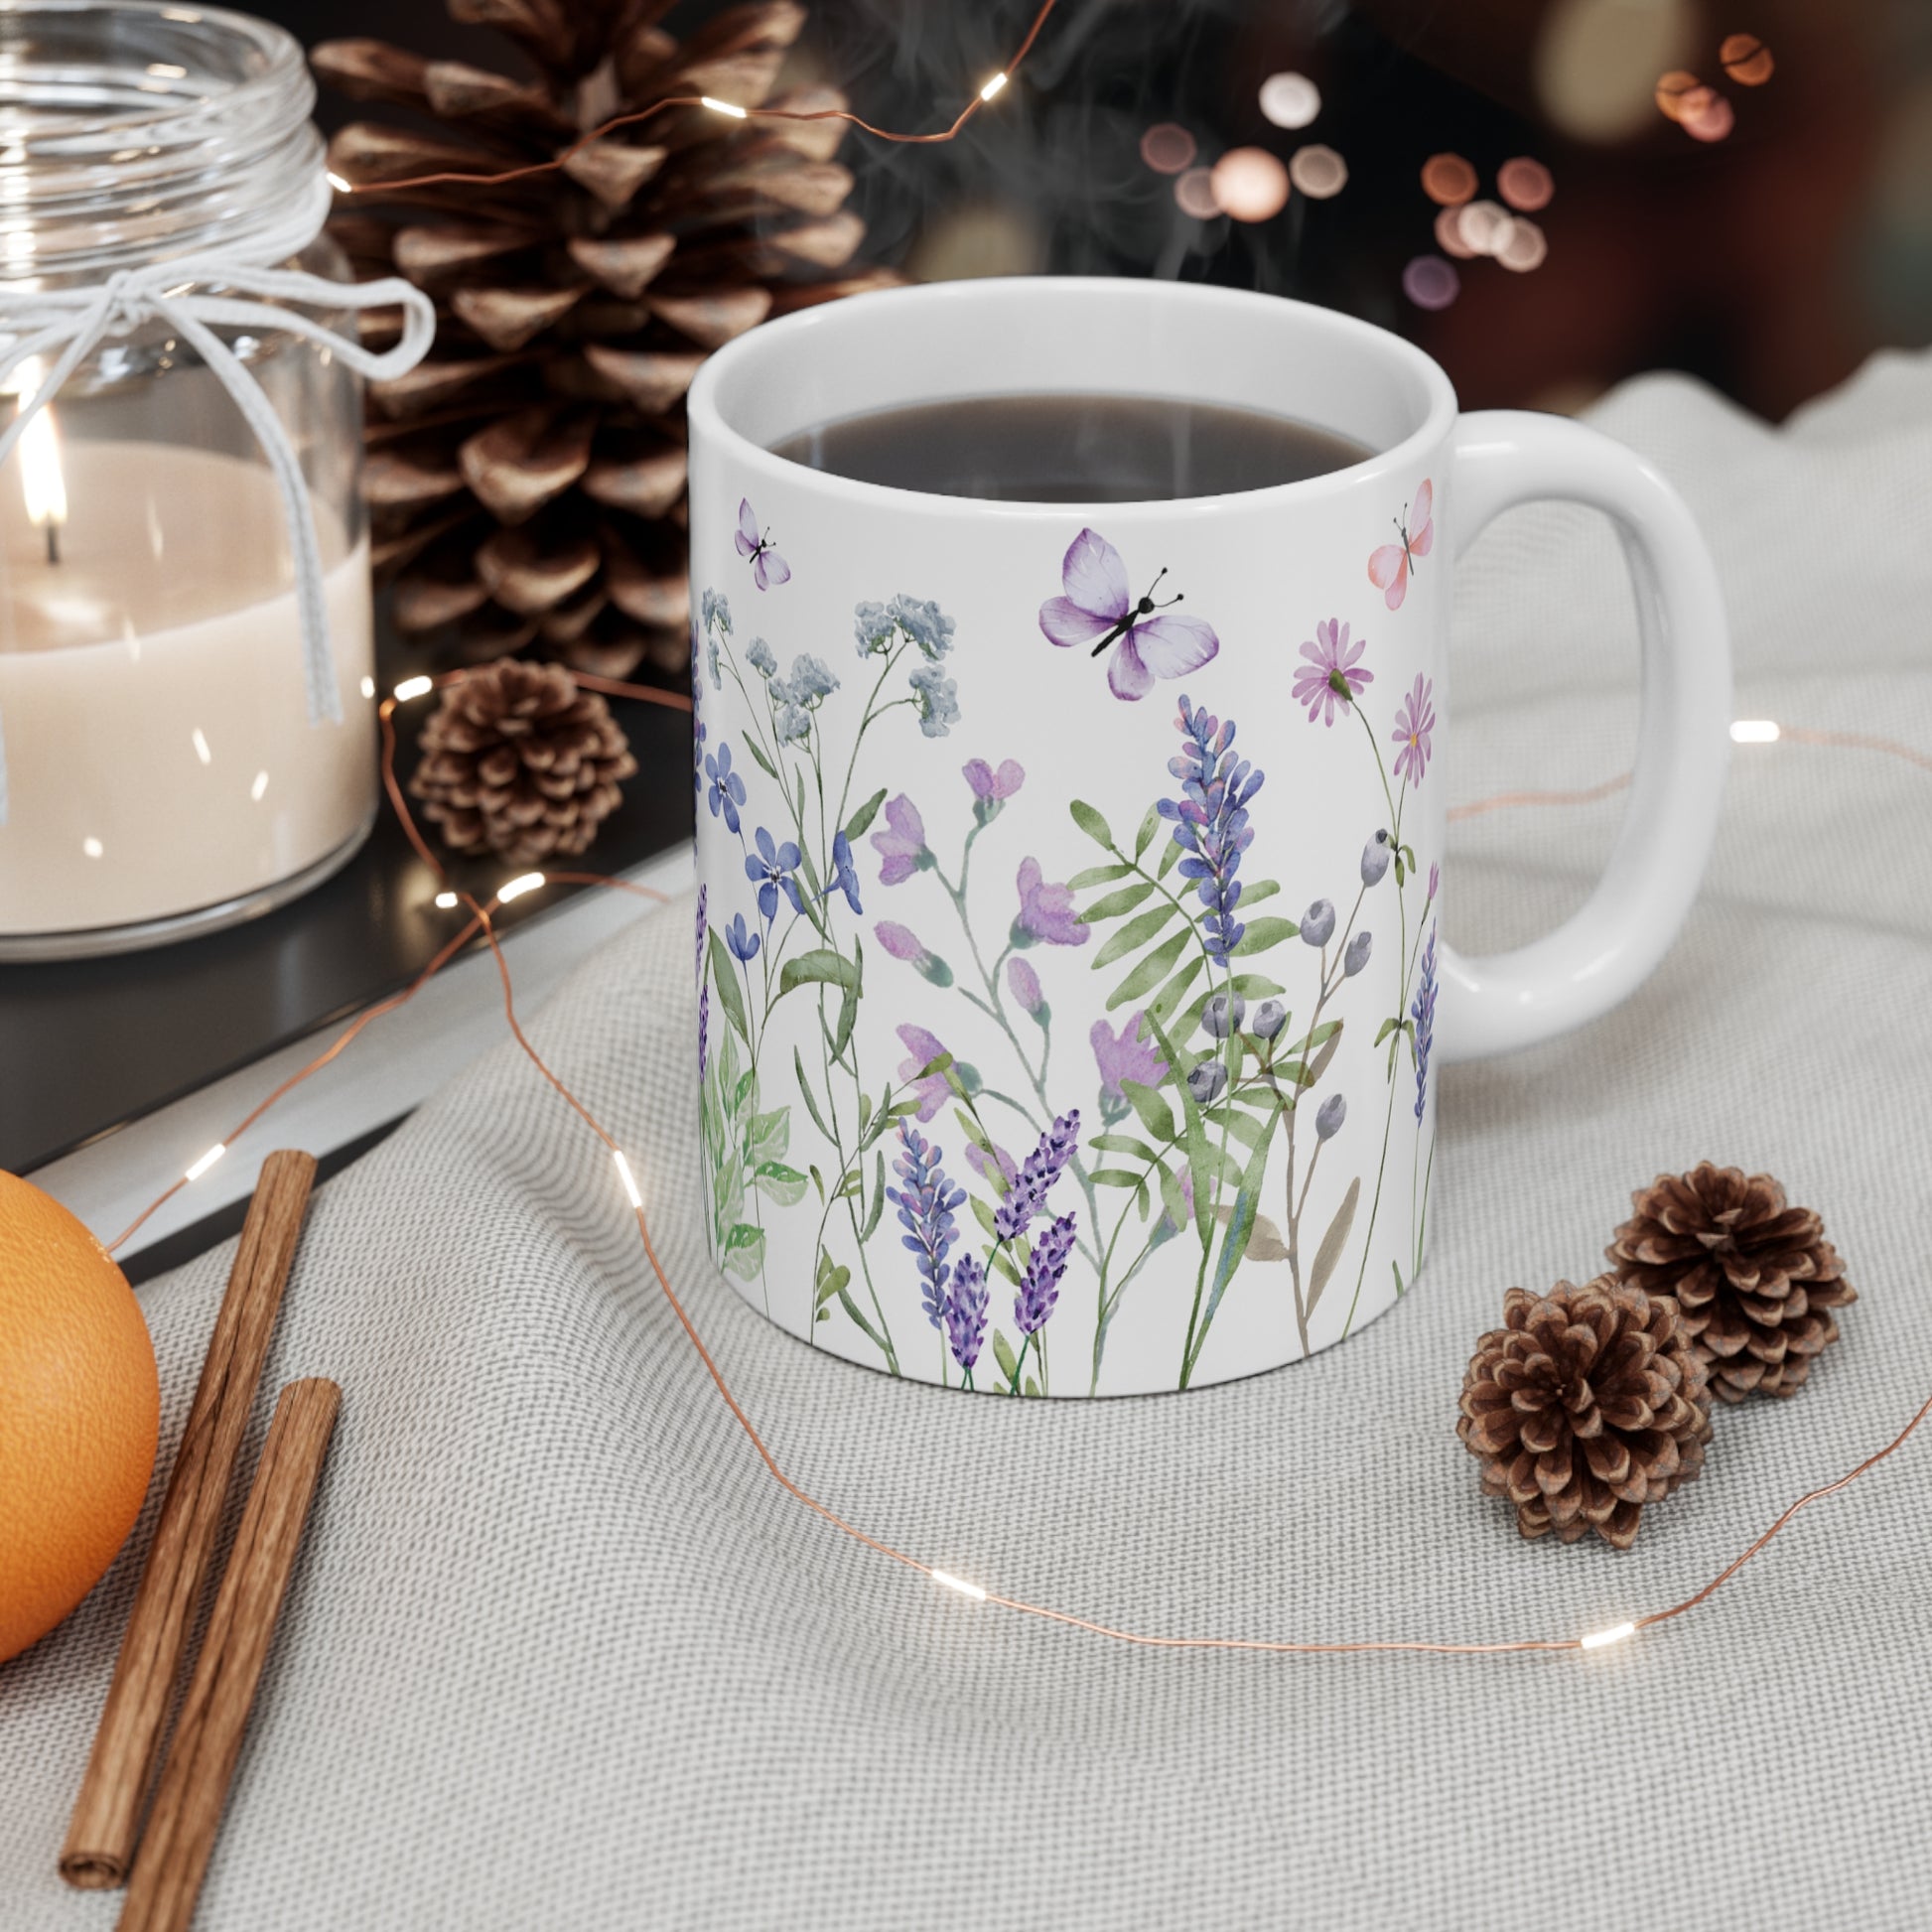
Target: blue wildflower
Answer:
pixel 727 787
pixel 923 624
pixel 741 940
pixel 938 700
pixel 1210 820
pixel 773 868
pixel 872 625
pixel 1040 1286
pixel 717 612
pixel 925 1203
pixel 762 659
pixel 1330 1117
pixel 966 1312
pixel 1038 1172
pixel 792 722
pixel 845 873
pixel 811 679
pixel 1423 1012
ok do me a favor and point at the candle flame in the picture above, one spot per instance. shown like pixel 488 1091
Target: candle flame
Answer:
pixel 42 481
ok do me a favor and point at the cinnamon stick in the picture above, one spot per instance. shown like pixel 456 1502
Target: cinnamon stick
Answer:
pixel 180 1838
pixel 107 1814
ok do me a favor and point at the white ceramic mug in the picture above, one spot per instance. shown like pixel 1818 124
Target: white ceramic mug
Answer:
pixel 1070 1019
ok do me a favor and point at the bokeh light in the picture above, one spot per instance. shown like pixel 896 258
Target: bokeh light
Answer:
pixel 1525 247
pixel 1673 88
pixel 1250 184
pixel 1194 191
pixel 1448 180
pixel 1484 228
pixel 1317 171
pixel 1746 59
pixel 1431 283
pixel 1168 148
pixel 1289 100
pixel 1449 234
pixel 1708 118
pixel 1595 62
pixel 1525 184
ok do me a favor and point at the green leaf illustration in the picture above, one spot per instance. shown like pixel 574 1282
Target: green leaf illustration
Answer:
pixel 1004 1355
pixel 1169 857
pixel 1263 933
pixel 744 1251
pixel 778 1182
pixel 856 826
pixel 1153 1111
pixel 1149 825
pixel 1115 904
pixel 1092 823
pixel 1122 1144
pixel 724 976
pixel 805 1088
pixel 1150 971
pixel 1134 934
pixel 877 1200
pixel 820 967
pixel 764 763
pixel 769 1137
pixel 1332 1243
pixel 1098 876
pixel 1170 996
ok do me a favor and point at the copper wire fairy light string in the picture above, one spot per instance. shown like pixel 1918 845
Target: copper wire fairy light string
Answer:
pixel 726 107
pixel 481 921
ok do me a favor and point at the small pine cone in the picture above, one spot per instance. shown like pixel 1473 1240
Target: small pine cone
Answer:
pixel 1755 1279
pixel 1586 1403
pixel 520 762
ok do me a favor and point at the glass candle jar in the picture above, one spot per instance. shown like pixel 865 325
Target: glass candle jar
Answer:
pixel 168 767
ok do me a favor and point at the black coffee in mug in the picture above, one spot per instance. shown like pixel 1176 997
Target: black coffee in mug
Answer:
pixel 1072 449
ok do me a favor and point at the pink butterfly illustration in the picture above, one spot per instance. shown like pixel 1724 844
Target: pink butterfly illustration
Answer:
pixel 767 567
pixel 1389 566
pixel 1098 609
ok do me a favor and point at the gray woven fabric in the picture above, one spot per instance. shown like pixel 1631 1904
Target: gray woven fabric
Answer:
pixel 561 1654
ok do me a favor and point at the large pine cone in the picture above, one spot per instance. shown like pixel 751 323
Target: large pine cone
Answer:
pixel 527 480
pixel 1756 1280
pixel 520 762
pixel 1585 1405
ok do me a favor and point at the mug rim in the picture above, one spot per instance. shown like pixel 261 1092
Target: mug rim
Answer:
pixel 789 333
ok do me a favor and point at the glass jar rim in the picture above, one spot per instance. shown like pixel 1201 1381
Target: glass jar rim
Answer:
pixel 136 130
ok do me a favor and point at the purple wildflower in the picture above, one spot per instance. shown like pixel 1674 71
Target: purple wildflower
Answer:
pixel 932 1090
pixel 1332 680
pixel 703 1028
pixel 1126 1057
pixel 1046 911
pixel 704 901
pixel 1042 1168
pixel 1210 820
pixel 966 1313
pixel 989 785
pixel 774 869
pixel 1423 1012
pixel 903 846
pixel 727 791
pixel 1039 1287
pixel 926 1204
pixel 903 944
pixel 1415 719
pixel 1024 983
pixel 845 873
pixel 1435 878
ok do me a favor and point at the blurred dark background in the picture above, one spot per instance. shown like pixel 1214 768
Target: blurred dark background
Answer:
pixel 1770 260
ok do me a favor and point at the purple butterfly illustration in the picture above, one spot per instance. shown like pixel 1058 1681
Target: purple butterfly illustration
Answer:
pixel 767 567
pixel 1097 610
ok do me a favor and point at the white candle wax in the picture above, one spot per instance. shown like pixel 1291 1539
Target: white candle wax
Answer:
pixel 158 750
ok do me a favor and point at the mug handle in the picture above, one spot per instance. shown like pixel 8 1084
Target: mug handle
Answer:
pixel 1603 951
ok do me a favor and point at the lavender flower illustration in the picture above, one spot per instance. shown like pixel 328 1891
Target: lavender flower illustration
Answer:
pixel 926 1200
pixel 992 789
pixel 901 845
pixel 1038 1172
pixel 932 1090
pixel 1210 820
pixel 1423 1012
pixel 966 1313
pixel 1125 1055
pixel 1415 719
pixel 1040 1286
pixel 703 925
pixel 1024 983
pixel 1332 680
pixel 902 942
pixel 704 1028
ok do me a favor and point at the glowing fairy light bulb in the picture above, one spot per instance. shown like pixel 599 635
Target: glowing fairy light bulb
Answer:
pixel 629 1178
pixel 525 882
pixel 992 86
pixel 947 1581
pixel 206 1160
pixel 335 182
pixel 1597 1639
pixel 1754 731
pixel 723 107
pixel 414 687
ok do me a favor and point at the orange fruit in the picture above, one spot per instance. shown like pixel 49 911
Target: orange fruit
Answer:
pixel 80 1413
